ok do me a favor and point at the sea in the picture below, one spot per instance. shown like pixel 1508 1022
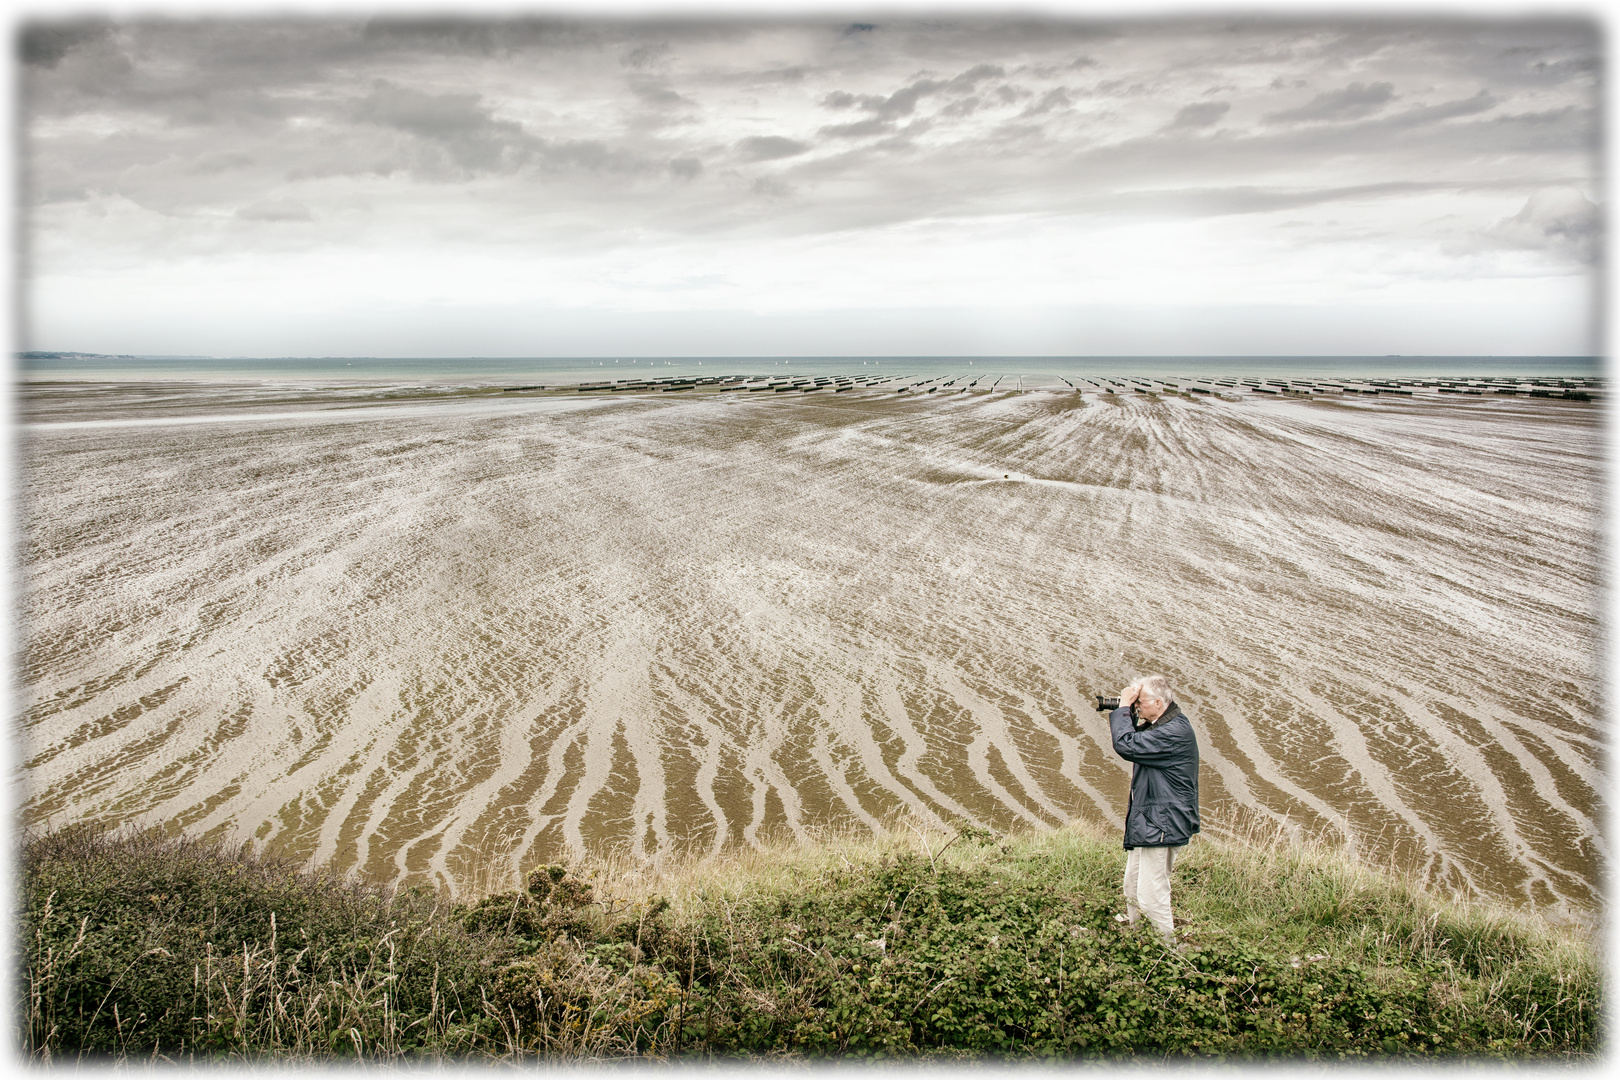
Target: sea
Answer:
pixel 452 370
pixel 387 617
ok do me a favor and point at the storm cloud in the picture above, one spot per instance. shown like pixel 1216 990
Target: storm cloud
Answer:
pixel 731 165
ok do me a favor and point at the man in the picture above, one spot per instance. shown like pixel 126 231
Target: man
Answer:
pixel 1163 811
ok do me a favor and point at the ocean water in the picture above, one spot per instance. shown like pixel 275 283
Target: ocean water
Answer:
pixel 577 369
pixel 430 636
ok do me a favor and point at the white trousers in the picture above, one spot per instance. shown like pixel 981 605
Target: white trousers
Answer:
pixel 1147 885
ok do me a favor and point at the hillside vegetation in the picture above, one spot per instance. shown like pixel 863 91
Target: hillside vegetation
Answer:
pixel 906 944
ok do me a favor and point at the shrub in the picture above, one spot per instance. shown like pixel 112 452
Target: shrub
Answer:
pixel 172 949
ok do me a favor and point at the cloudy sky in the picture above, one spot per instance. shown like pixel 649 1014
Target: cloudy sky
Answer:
pixel 919 184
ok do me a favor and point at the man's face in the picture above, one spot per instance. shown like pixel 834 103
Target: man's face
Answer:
pixel 1149 709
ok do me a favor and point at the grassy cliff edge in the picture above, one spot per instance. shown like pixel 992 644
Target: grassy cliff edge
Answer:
pixel 913 942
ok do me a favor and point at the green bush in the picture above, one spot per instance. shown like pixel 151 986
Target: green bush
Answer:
pixel 909 959
pixel 138 946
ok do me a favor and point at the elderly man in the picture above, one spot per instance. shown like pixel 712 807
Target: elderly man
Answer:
pixel 1163 811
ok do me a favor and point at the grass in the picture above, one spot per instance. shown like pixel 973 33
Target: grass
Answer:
pixel 914 942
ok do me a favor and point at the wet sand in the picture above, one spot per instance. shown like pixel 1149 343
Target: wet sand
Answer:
pixel 432 635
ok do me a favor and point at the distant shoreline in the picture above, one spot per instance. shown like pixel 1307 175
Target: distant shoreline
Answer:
pixel 85 403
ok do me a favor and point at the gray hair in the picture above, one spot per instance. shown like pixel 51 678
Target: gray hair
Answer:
pixel 1156 687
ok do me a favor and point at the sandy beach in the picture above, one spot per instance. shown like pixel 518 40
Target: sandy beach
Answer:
pixel 429 636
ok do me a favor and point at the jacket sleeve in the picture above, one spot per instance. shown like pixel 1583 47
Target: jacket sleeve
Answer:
pixel 1152 746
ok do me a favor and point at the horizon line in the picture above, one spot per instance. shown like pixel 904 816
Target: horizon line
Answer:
pixel 47 354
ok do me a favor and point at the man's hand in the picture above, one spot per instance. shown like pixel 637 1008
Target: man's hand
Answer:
pixel 1128 696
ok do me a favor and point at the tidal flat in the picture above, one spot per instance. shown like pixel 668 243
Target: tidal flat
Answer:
pixel 439 635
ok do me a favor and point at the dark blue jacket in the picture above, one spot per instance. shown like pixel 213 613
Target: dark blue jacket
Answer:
pixel 1164 780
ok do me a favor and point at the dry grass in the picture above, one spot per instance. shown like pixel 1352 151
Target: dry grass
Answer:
pixel 785 864
pixel 1257 874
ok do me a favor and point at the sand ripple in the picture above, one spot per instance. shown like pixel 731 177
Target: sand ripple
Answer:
pixel 464 637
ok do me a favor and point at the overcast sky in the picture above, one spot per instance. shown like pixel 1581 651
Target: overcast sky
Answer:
pixel 948 185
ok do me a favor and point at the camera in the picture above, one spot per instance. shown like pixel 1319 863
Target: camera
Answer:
pixel 1106 704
